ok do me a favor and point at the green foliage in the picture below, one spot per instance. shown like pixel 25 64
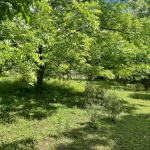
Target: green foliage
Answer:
pixel 139 87
pixel 37 113
pixel 95 112
pixel 63 124
pixel 8 9
pixel 58 32
pixel 89 91
pixel 101 101
pixel 112 104
pixel 94 93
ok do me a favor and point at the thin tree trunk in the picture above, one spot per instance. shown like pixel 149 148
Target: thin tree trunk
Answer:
pixel 145 83
pixel 125 81
pixel 40 75
pixel 40 72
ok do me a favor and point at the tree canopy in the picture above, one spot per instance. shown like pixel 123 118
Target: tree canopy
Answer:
pixel 96 38
pixel 9 8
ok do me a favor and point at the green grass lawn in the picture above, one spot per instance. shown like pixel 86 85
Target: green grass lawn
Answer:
pixel 57 119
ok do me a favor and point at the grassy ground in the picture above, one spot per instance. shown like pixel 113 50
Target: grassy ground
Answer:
pixel 57 119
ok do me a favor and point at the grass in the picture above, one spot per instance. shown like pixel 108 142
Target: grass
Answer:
pixel 57 119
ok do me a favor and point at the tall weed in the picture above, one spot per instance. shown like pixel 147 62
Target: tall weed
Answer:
pixel 112 104
pixel 100 101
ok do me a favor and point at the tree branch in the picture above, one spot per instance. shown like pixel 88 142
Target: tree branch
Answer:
pixel 121 31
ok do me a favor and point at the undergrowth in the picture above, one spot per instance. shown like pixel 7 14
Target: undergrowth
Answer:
pixel 66 117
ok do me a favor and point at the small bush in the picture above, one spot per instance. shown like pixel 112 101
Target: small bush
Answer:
pixel 89 91
pixel 94 113
pixel 112 105
pixel 100 93
pixel 138 87
pixel 101 101
pixel 93 93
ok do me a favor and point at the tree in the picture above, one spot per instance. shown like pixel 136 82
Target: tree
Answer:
pixel 94 37
pixel 52 37
pixel 121 39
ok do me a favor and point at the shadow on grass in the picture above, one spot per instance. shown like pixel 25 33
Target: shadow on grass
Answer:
pixel 128 133
pixel 115 85
pixel 85 138
pixel 143 96
pixel 132 132
pixel 126 107
pixel 64 93
pixel 20 99
pixel 27 107
pixel 27 144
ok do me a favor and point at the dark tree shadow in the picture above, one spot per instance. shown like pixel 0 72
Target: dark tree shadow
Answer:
pixel 21 99
pixel 24 144
pixel 27 107
pixel 143 96
pixel 126 107
pixel 128 133
pixel 64 94
pixel 85 138
pixel 132 132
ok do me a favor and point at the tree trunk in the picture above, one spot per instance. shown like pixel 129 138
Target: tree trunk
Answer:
pixel 145 82
pixel 40 75
pixel 134 79
pixel 125 81
pixel 40 72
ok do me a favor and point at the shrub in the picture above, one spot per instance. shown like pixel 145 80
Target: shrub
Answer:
pixel 93 93
pixel 94 109
pixel 101 101
pixel 111 104
pixel 100 94
pixel 89 91
pixel 94 113
pixel 138 87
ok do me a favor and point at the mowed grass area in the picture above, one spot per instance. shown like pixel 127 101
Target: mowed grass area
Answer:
pixel 57 119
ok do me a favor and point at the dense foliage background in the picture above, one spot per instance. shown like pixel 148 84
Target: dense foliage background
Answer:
pixel 92 37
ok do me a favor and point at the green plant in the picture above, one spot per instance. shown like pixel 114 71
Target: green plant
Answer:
pixel 67 124
pixel 59 125
pixel 100 93
pixel 94 93
pixel 94 103
pixel 138 87
pixel 36 113
pixel 112 104
pixel 63 125
pixel 89 91
pixel 94 113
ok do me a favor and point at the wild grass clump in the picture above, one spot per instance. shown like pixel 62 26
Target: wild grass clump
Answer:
pixel 94 93
pixel 36 113
pixel 112 104
pixel 63 125
pixel 94 113
pixel 138 87
pixel 101 102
